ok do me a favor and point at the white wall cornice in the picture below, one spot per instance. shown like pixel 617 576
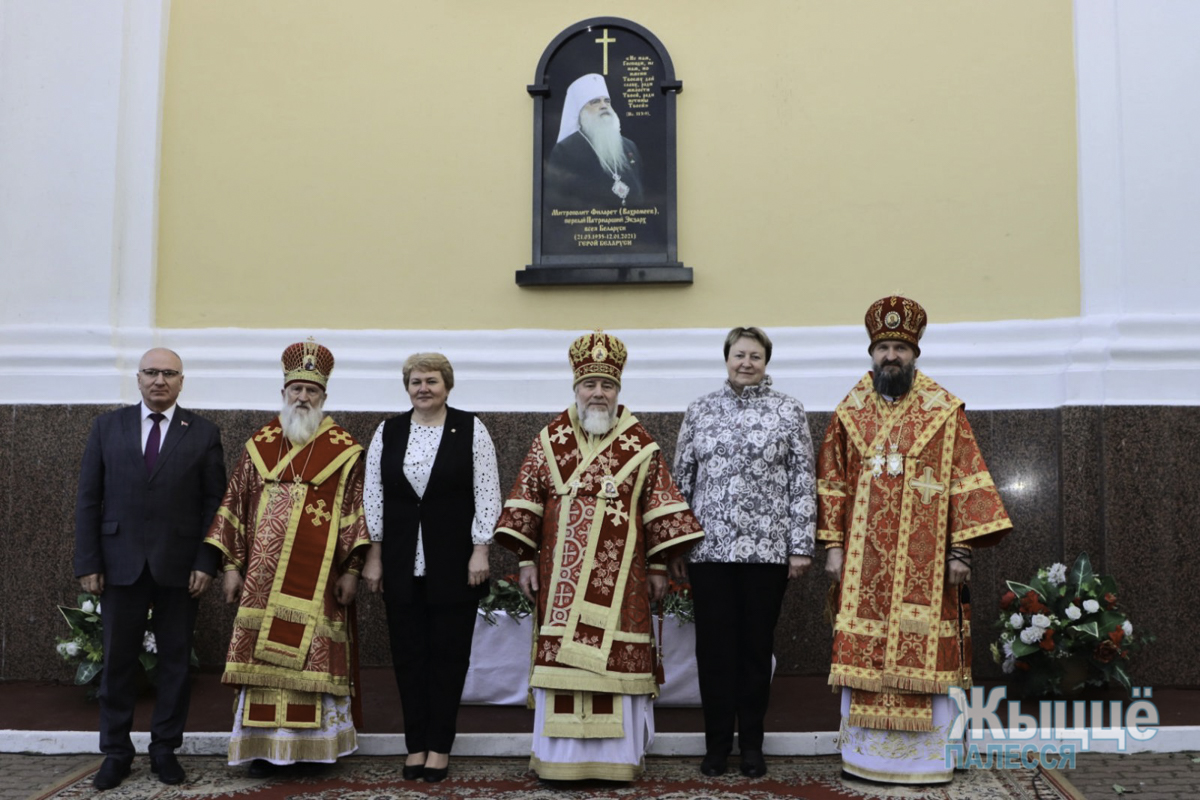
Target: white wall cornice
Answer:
pixel 1098 360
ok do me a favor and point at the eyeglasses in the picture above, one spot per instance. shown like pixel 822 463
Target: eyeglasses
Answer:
pixel 153 374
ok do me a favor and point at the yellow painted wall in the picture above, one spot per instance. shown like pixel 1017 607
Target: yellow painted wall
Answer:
pixel 367 163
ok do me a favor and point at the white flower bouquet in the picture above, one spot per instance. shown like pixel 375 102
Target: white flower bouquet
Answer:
pixel 84 647
pixel 1065 630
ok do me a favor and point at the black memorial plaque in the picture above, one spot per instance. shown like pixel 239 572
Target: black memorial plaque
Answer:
pixel 604 159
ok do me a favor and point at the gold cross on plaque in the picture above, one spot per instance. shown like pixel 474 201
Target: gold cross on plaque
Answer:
pixel 927 486
pixel 318 512
pixel 605 41
pixel 268 435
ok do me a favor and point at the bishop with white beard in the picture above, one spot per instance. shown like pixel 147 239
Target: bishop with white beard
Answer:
pixel 593 518
pixel 293 511
pixel 592 164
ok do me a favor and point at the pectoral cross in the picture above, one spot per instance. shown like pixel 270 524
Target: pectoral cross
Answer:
pixel 605 41
pixel 877 461
pixel 575 486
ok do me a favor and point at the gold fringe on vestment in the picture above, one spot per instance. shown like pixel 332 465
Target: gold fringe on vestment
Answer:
pixel 908 685
pixel 291 750
pixel 584 770
pixel 254 675
pixel 891 723
pixel 291 615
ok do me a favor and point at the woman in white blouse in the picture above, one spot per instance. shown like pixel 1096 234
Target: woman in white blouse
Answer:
pixel 744 462
pixel 432 497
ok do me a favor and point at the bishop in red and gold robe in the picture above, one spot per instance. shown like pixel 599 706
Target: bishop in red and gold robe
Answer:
pixel 292 524
pixel 902 488
pixel 597 513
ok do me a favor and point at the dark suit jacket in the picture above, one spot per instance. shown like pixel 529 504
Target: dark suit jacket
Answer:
pixel 125 519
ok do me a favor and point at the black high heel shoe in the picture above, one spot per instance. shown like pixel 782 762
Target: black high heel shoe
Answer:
pixel 434 775
pixel 413 772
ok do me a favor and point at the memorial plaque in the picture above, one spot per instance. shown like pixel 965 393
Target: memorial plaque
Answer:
pixel 604 167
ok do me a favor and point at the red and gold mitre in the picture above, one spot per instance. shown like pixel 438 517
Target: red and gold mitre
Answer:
pixel 896 318
pixel 597 355
pixel 307 361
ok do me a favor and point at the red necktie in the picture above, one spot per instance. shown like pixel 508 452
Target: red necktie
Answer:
pixel 153 441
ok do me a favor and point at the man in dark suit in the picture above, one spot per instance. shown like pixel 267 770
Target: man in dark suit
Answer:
pixel 152 477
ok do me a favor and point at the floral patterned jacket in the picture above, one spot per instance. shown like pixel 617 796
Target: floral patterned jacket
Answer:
pixel 745 465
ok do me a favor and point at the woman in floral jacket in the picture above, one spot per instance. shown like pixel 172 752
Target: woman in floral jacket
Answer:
pixel 744 461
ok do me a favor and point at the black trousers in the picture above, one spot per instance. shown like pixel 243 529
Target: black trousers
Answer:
pixel 431 651
pixel 123 616
pixel 737 606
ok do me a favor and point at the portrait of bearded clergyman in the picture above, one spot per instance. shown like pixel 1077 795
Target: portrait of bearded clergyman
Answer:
pixel 592 165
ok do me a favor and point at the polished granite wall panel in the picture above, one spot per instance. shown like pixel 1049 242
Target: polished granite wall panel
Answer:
pixel 1152 483
pixel 1052 468
pixel 1082 484
pixel 46 445
pixel 1021 449
pixel 8 539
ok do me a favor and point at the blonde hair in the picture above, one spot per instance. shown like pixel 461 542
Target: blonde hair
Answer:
pixel 757 334
pixel 429 362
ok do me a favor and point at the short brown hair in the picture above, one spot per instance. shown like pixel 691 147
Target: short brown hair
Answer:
pixel 757 334
pixel 429 362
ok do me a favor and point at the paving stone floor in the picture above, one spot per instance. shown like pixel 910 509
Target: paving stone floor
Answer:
pixel 1143 776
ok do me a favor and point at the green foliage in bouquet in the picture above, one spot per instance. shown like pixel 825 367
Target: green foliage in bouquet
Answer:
pixel 677 603
pixel 505 594
pixel 84 647
pixel 1064 630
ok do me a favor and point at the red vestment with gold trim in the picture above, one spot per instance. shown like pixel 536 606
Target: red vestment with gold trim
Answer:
pixel 898 485
pixel 595 513
pixel 292 520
